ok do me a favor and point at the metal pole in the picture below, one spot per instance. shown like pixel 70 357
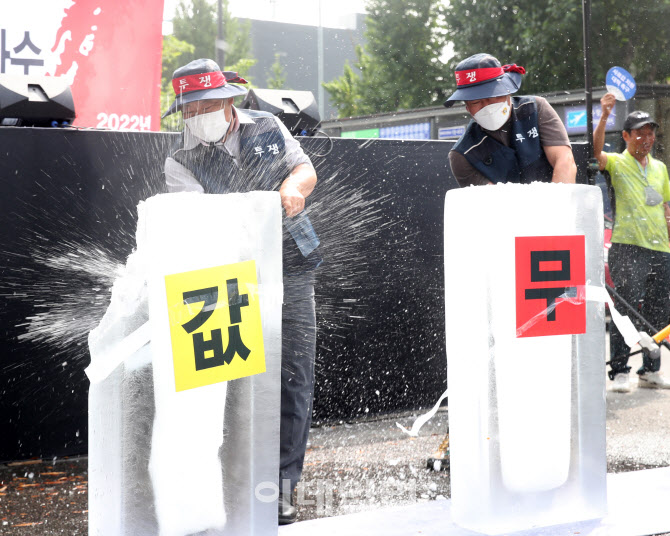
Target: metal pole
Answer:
pixel 219 39
pixel 320 92
pixel 592 164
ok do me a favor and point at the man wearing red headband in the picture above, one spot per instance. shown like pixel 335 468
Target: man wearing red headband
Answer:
pixel 509 139
pixel 225 150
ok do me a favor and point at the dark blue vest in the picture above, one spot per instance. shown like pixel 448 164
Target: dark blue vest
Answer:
pixel 262 167
pixel 523 161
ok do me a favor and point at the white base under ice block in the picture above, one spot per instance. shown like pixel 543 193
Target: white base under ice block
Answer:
pixel 525 354
pixel 629 494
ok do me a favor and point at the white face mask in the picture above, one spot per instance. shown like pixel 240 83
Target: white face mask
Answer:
pixel 493 116
pixel 210 127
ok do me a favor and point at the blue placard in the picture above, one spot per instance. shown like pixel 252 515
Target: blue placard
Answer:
pixel 621 83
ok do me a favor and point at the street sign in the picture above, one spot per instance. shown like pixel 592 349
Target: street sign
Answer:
pixel 366 133
pixel 415 131
pixel 575 118
pixel 450 132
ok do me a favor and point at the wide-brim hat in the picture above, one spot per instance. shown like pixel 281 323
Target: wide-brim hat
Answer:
pixel 203 79
pixel 482 76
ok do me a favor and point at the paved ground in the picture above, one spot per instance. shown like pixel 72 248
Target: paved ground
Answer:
pixel 349 467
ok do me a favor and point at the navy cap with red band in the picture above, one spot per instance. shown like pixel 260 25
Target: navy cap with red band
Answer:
pixel 482 76
pixel 203 79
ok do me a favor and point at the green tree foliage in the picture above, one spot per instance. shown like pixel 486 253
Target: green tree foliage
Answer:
pixel 196 22
pixel 237 35
pixel 343 92
pixel 546 38
pixel 173 50
pixel 634 35
pixel 194 36
pixel 278 78
pixel 399 65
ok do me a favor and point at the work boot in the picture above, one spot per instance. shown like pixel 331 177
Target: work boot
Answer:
pixel 287 512
pixel 653 380
pixel 621 383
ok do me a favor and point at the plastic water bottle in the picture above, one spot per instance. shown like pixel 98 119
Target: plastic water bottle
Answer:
pixel 302 232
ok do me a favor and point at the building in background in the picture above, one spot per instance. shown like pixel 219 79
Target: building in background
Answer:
pixel 298 48
pixel 440 123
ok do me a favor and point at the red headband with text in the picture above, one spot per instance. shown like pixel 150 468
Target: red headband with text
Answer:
pixel 197 82
pixel 477 76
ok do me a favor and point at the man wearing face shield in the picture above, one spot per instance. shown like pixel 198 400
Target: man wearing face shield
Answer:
pixel 509 139
pixel 639 258
pixel 226 150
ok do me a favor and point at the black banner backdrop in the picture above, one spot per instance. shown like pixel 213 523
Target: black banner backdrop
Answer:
pixel 68 213
pixel 67 224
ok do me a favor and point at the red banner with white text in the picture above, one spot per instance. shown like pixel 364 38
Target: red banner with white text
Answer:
pixel 108 51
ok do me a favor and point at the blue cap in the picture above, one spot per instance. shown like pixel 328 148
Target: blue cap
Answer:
pixel 482 76
pixel 203 79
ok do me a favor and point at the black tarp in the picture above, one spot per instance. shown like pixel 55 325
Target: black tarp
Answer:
pixel 68 215
pixel 68 203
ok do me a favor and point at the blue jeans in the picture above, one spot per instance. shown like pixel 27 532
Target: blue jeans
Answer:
pixel 642 278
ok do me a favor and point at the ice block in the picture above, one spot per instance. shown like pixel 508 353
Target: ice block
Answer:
pixel 525 355
pixel 185 431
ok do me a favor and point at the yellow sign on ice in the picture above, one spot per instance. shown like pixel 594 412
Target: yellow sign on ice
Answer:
pixel 215 324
